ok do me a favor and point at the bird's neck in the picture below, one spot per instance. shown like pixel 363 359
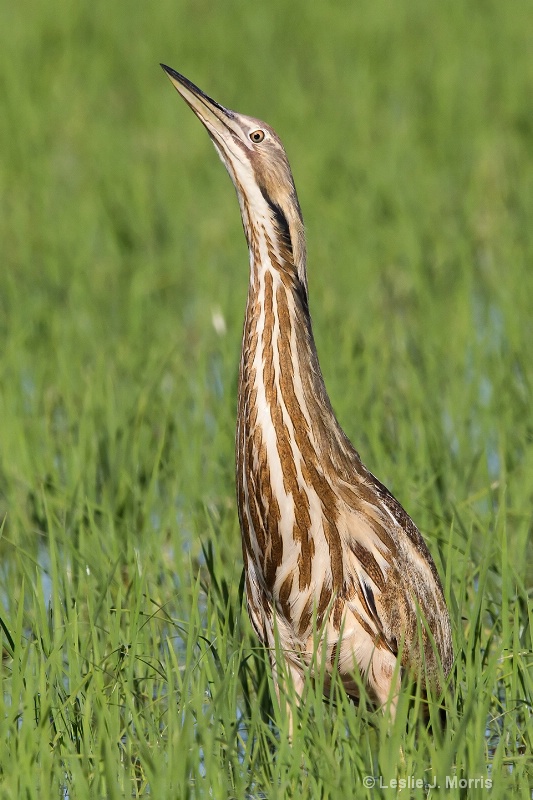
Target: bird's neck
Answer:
pixel 278 346
pixel 290 449
pixel 283 404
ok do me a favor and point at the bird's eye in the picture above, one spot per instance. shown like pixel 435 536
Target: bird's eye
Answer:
pixel 257 136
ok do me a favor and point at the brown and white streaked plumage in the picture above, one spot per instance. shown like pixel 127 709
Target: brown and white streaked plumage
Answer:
pixel 325 544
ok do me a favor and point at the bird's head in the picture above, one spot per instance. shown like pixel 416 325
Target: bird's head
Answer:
pixel 258 166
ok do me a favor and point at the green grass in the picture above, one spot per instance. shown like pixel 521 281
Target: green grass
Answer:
pixel 128 663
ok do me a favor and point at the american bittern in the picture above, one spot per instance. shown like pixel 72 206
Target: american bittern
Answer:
pixel 326 546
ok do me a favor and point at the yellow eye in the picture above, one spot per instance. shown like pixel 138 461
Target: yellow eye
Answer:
pixel 257 136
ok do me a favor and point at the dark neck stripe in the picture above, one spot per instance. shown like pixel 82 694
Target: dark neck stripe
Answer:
pixel 281 222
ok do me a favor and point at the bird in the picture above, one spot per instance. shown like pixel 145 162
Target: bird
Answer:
pixel 336 571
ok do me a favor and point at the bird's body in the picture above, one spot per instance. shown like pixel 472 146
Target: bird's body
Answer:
pixel 326 547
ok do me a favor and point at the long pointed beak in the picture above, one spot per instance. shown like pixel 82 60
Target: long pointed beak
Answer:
pixel 215 117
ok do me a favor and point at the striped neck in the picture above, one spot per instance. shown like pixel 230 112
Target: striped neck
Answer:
pixel 289 445
pixel 279 358
pixel 279 352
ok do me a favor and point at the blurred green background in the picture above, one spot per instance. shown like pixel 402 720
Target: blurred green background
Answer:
pixel 123 277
